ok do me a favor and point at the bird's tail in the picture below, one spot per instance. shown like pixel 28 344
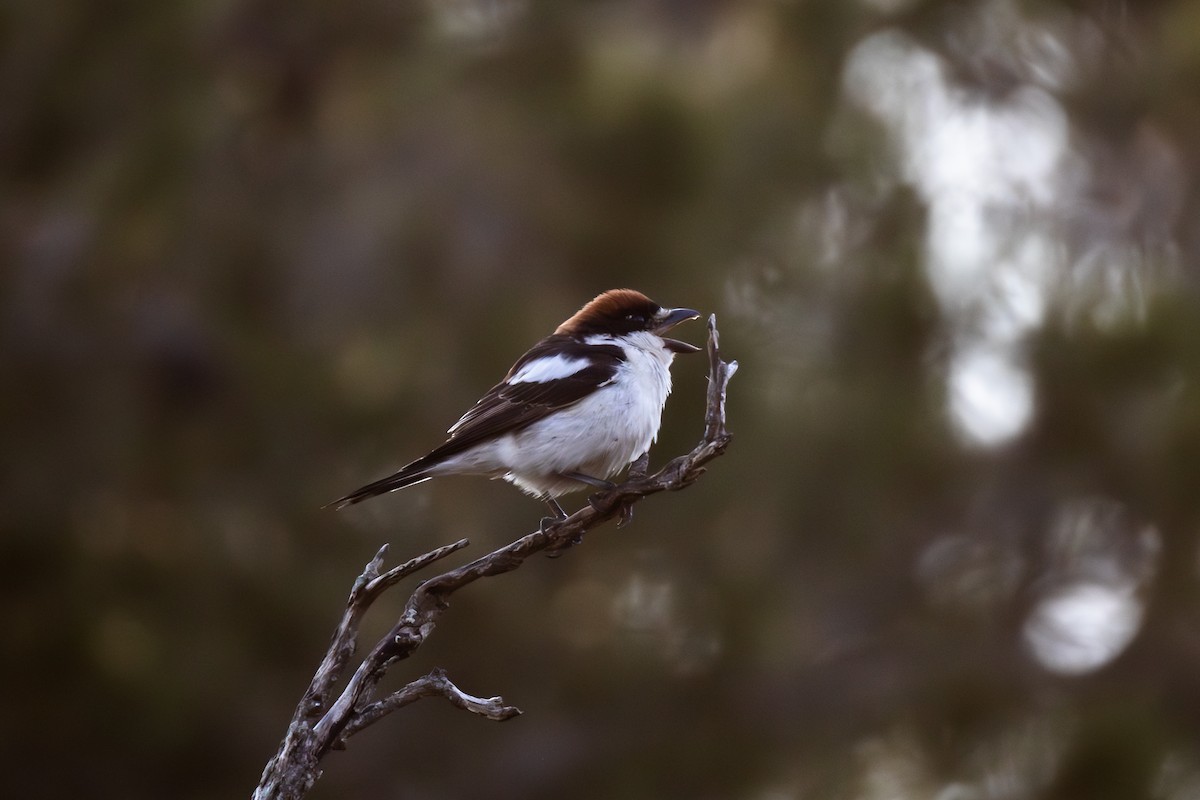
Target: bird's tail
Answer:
pixel 414 473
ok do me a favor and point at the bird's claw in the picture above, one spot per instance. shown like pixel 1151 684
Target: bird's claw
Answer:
pixel 603 502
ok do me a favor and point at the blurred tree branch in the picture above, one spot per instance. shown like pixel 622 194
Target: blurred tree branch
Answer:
pixel 321 723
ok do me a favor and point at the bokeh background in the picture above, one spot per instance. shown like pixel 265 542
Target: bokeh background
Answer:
pixel 257 253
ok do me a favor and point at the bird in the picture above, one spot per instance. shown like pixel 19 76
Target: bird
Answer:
pixel 574 410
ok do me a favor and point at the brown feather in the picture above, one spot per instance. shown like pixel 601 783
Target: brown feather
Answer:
pixel 610 304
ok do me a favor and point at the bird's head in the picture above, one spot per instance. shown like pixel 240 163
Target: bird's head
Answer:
pixel 619 312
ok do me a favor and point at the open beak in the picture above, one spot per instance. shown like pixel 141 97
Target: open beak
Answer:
pixel 670 318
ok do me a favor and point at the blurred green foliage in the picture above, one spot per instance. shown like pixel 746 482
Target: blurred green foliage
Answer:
pixel 258 253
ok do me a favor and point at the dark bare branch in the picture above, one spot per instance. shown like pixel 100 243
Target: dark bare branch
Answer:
pixel 294 769
pixel 369 585
pixel 432 685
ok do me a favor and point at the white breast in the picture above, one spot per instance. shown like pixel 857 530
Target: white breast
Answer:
pixel 599 435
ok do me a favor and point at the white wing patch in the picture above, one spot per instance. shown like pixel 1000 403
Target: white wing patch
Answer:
pixel 550 368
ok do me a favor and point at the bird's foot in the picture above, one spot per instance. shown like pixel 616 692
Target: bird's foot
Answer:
pixel 637 470
pixel 556 510
pixel 554 551
pixel 550 522
pixel 602 502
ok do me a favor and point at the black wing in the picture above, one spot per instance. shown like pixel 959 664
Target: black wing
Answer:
pixel 509 407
